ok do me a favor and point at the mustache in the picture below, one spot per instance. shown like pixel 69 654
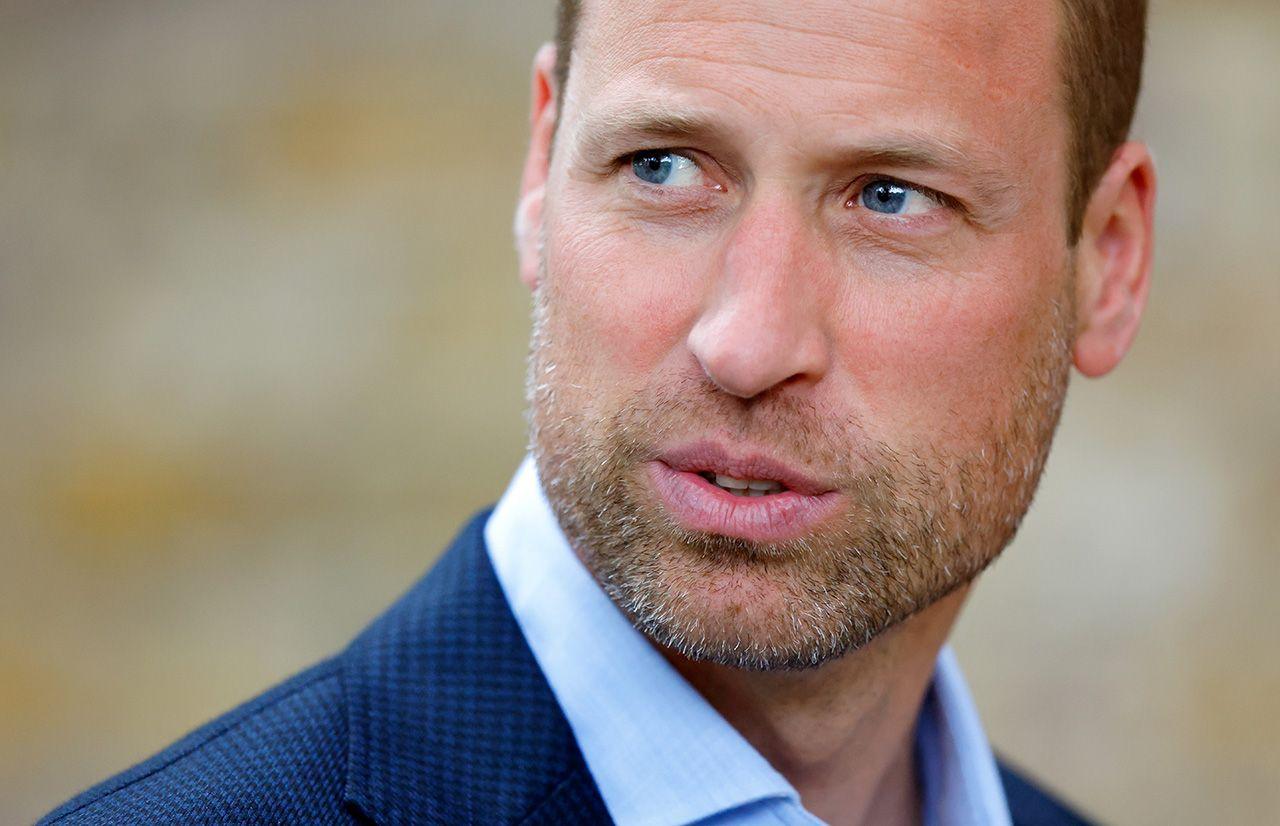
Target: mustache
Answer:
pixel 795 430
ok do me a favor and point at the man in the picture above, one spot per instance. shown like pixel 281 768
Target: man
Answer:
pixel 809 278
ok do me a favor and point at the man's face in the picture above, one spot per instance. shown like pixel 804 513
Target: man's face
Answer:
pixel 816 249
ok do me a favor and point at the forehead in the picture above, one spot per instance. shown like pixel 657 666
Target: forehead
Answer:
pixel 979 72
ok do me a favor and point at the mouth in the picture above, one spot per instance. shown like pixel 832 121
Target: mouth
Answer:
pixel 707 488
pixel 741 473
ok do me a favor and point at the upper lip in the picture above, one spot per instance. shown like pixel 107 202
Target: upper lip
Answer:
pixel 711 457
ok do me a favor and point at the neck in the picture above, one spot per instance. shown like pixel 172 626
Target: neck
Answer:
pixel 842 734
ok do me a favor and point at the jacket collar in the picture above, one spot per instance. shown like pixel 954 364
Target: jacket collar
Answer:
pixel 449 718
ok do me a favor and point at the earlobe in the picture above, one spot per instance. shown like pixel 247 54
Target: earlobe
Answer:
pixel 533 183
pixel 1113 261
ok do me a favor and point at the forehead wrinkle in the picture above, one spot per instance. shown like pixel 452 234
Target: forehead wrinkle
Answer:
pixel 781 17
pixel 763 45
pixel 988 45
pixel 746 62
pixel 961 36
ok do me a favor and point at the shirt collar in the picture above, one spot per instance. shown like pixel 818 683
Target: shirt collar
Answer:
pixel 617 691
pixel 957 768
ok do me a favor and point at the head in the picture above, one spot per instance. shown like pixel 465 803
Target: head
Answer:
pixel 845 251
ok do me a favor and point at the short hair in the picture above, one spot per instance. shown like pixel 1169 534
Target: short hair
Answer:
pixel 1100 51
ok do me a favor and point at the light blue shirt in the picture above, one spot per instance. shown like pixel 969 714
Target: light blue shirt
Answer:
pixel 658 751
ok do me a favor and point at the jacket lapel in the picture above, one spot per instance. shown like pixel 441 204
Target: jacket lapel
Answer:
pixel 449 717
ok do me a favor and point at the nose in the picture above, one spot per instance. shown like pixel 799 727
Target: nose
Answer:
pixel 762 325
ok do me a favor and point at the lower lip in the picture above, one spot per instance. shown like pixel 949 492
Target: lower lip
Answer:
pixel 699 505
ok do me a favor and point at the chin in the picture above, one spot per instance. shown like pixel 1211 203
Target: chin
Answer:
pixel 753 613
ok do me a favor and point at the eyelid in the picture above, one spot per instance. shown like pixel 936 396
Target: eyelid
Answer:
pixel 716 178
pixel 860 183
pixel 625 161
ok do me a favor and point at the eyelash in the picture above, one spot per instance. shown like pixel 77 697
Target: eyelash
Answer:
pixel 624 162
pixel 860 183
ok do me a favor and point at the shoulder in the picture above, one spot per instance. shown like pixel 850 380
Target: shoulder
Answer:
pixel 1031 805
pixel 411 722
pixel 277 758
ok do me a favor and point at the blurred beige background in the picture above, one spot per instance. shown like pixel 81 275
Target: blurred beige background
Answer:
pixel 261 351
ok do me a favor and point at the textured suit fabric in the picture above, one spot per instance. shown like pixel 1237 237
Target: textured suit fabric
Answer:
pixel 437 713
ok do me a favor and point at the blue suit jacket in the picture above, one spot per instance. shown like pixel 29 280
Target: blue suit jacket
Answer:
pixel 436 713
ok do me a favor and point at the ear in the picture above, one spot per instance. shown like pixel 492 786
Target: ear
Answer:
pixel 1113 260
pixel 533 183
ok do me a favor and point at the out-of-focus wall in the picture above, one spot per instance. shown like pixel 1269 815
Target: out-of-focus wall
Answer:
pixel 261 351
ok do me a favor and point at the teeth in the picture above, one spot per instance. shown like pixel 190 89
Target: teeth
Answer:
pixel 748 487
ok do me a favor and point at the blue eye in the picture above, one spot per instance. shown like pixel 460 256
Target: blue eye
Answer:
pixel 889 197
pixel 884 196
pixel 662 167
pixel 652 167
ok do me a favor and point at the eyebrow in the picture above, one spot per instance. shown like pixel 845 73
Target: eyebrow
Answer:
pixel 603 134
pixel 992 187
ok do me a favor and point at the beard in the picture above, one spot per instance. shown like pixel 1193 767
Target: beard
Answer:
pixel 920 523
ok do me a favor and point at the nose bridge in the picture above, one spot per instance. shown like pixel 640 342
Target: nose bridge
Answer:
pixel 767 245
pixel 762 324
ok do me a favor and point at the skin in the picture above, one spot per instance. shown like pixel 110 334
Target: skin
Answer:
pixel 765 279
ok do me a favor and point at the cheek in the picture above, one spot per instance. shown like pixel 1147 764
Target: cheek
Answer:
pixel 623 303
pixel 942 361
